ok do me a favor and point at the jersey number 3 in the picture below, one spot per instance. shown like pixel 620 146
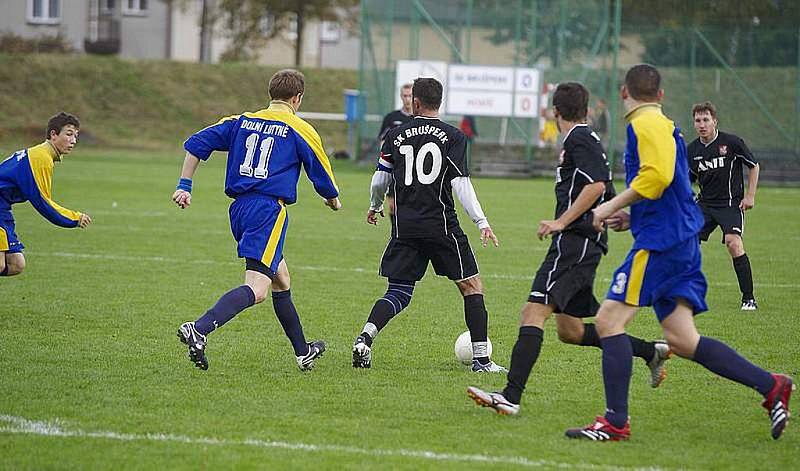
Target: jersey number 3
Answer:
pixel 251 143
pixel 427 149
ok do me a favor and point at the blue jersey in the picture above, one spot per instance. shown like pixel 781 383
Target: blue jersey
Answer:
pixel 656 168
pixel 265 152
pixel 28 176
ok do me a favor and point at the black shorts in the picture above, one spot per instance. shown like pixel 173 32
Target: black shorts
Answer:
pixel 730 220
pixel 566 276
pixel 407 259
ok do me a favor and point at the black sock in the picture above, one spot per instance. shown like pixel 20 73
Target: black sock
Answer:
pixel 477 320
pixel 745 276
pixel 290 321
pixel 397 297
pixel 641 348
pixel 231 303
pixel 523 357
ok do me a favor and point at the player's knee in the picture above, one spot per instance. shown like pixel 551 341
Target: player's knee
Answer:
pixel 734 244
pixel 680 345
pixel 470 286
pixel 15 265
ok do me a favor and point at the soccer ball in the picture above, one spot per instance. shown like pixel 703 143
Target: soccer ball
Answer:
pixel 463 348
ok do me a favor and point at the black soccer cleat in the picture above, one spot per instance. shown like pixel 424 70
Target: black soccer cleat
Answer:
pixel 315 350
pixel 749 305
pixel 601 431
pixel 196 342
pixel 362 354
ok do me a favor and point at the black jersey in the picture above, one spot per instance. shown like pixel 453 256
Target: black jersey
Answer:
pixel 424 155
pixel 582 162
pixel 717 168
pixel 392 120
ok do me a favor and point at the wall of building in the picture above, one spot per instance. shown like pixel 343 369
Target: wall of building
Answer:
pixel 145 37
pixel 74 15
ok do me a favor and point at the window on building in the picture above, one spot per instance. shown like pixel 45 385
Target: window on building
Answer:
pixel 291 30
pixel 108 6
pixel 330 32
pixel 44 11
pixel 134 7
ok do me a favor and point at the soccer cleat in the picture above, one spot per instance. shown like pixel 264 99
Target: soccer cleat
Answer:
pixel 749 305
pixel 777 404
pixel 495 400
pixel 601 431
pixel 362 354
pixel 490 367
pixel 196 342
pixel 315 350
pixel 656 364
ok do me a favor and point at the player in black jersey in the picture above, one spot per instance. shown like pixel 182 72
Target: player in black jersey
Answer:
pixel 716 162
pixel 397 117
pixel 423 164
pixel 565 279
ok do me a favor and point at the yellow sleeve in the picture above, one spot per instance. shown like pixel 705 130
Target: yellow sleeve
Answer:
pixel 657 153
pixel 310 135
pixel 43 176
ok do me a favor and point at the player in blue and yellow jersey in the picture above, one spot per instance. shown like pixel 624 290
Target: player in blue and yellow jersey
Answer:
pixel 265 152
pixel 28 176
pixel 662 269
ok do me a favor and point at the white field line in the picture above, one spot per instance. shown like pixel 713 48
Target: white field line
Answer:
pixel 499 276
pixel 21 425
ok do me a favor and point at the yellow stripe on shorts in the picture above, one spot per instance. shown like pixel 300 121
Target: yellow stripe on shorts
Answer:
pixel 274 237
pixel 636 278
pixel 3 240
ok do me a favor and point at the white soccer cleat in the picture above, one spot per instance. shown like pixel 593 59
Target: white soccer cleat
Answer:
pixel 495 400
pixel 657 371
pixel 749 305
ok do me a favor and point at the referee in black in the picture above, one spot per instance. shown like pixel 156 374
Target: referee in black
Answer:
pixel 716 161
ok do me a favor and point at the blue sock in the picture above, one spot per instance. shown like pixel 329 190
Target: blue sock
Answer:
pixel 231 303
pixel 290 321
pixel 724 361
pixel 617 367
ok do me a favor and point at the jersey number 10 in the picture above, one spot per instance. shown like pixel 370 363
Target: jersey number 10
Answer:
pixel 427 149
pixel 251 143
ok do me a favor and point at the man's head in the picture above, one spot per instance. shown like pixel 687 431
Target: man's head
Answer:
pixel 643 83
pixel 571 102
pixel 62 132
pixel 288 85
pixel 427 95
pixel 406 95
pixel 704 116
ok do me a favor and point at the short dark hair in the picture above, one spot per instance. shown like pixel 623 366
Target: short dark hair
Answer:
pixel 705 106
pixel 643 82
pixel 571 100
pixel 57 123
pixel 286 83
pixel 428 91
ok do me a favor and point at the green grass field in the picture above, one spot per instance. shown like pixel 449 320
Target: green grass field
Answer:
pixel 92 376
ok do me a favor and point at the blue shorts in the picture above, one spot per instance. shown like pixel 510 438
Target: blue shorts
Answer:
pixel 8 238
pixel 658 279
pixel 258 224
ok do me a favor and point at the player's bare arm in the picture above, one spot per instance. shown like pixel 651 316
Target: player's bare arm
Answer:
pixel 183 193
pixel 619 221
pixel 582 203
pixel 749 199
pixel 609 208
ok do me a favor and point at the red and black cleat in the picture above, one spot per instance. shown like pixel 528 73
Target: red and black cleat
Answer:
pixel 777 404
pixel 601 430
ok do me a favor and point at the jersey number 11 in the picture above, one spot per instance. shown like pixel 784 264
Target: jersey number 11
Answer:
pixel 251 143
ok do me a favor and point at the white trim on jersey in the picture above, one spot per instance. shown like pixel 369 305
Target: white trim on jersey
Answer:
pixel 741 156
pixel 455 166
pixel 444 208
pixel 585 175
pixel 571 187
pixel 555 263
pixel 716 135
pixel 585 246
pixel 384 162
pixel 584 125
pixel 730 192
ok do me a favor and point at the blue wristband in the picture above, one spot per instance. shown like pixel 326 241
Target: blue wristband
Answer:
pixel 184 184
